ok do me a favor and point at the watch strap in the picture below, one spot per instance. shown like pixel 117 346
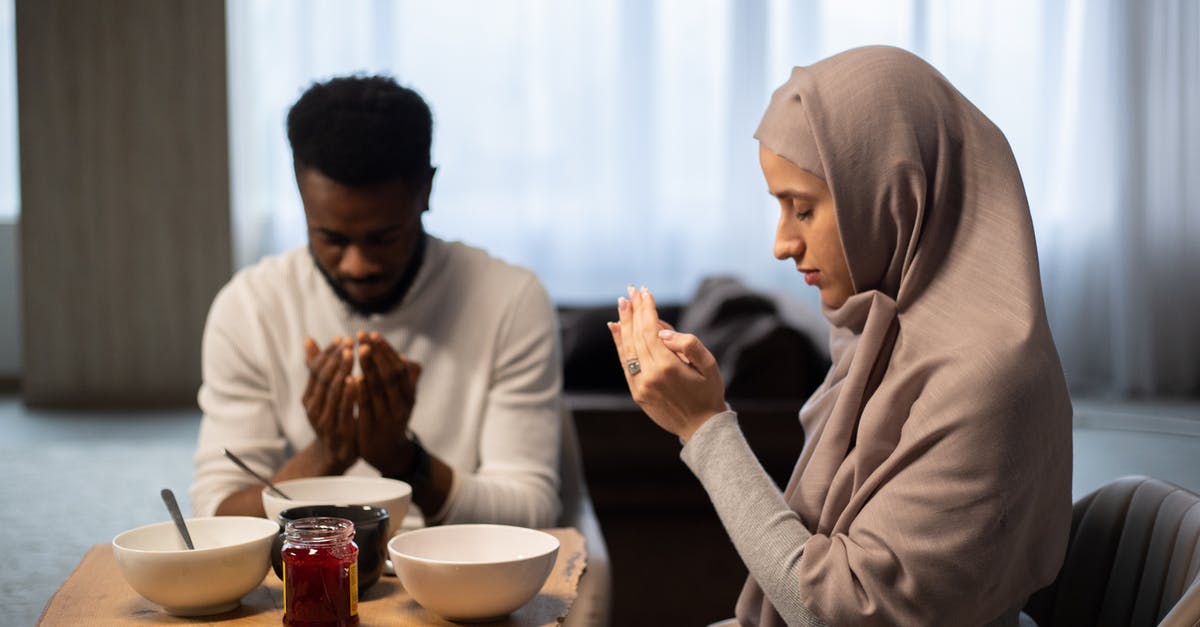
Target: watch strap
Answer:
pixel 418 470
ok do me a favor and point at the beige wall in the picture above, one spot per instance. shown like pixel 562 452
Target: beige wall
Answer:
pixel 125 233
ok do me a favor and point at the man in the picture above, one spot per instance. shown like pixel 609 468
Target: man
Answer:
pixel 379 349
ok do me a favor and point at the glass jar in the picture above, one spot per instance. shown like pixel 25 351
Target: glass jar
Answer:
pixel 320 573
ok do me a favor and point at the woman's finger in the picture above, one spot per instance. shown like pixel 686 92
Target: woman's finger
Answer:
pixel 615 329
pixel 663 325
pixel 634 332
pixel 626 348
pixel 646 327
pixel 689 347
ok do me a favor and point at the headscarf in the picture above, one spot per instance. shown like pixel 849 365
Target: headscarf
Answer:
pixel 936 476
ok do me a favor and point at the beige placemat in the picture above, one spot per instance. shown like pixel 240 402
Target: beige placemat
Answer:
pixel 96 594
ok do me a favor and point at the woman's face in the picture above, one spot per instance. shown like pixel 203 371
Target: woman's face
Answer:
pixel 808 229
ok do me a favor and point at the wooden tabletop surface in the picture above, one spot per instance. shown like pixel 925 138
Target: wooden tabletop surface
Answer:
pixel 96 594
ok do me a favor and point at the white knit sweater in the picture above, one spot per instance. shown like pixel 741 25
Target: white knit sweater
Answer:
pixel 488 399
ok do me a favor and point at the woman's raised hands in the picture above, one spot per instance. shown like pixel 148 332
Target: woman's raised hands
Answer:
pixel 671 375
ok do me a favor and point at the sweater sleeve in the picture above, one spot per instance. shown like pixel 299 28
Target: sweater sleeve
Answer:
pixel 237 408
pixel 767 534
pixel 517 478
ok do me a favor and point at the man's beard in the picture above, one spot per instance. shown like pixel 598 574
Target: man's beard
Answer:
pixel 384 303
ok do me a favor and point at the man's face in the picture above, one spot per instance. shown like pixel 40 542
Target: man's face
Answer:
pixel 362 238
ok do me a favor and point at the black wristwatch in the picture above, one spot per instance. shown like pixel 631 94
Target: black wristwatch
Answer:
pixel 418 470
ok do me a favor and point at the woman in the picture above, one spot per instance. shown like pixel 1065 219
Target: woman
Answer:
pixel 934 488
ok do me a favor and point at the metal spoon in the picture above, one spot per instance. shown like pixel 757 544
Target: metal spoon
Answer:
pixel 243 466
pixel 168 497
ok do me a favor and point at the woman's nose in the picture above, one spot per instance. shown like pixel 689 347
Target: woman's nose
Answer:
pixel 788 244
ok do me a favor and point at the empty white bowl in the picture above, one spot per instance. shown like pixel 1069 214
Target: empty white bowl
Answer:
pixel 231 558
pixel 473 572
pixel 390 494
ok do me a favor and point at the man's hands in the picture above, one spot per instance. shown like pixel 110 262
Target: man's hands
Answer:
pixel 386 393
pixel 329 399
pixel 355 416
pixel 383 395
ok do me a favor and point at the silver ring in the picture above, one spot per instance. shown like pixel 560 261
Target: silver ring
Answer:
pixel 634 366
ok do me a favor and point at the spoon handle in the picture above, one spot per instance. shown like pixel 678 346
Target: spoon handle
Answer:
pixel 235 459
pixel 168 497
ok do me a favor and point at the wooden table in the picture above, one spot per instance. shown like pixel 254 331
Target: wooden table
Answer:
pixel 96 594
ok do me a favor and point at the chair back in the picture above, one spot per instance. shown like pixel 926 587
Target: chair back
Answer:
pixel 1133 559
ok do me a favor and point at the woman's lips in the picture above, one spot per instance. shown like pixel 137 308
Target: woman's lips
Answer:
pixel 811 276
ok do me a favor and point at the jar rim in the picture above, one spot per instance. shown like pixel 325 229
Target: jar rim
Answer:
pixel 319 529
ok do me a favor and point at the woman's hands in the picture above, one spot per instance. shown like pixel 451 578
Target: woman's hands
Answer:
pixel 671 375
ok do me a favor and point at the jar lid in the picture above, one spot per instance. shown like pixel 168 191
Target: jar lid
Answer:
pixel 319 530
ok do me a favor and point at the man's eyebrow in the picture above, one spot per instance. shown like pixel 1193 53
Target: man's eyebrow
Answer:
pixel 383 232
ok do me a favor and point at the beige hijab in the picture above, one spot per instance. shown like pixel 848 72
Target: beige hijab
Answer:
pixel 937 474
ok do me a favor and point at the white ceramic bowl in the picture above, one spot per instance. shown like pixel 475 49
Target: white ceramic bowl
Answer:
pixel 390 494
pixel 232 555
pixel 473 572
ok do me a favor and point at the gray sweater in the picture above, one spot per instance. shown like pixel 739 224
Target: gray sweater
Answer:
pixel 768 535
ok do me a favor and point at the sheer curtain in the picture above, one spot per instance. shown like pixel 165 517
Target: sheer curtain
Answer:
pixel 607 142
pixel 10 187
pixel 1118 204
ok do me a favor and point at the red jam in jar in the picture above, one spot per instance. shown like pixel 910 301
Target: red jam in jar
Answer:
pixel 320 573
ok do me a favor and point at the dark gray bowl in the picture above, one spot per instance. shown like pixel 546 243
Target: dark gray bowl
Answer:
pixel 370 534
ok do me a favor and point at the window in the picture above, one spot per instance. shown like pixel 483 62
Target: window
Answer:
pixel 603 142
pixel 10 179
pixel 598 143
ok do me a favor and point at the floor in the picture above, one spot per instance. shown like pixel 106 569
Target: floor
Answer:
pixel 69 480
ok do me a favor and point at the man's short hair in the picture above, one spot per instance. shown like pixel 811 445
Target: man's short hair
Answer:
pixel 362 130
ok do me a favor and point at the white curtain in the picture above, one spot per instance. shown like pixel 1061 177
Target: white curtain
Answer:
pixel 10 187
pixel 607 142
pixel 1118 203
